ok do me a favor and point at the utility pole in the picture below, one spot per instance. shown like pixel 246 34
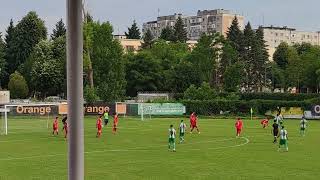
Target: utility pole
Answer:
pixel 75 90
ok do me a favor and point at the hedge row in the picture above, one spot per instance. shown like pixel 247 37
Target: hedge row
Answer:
pixel 239 106
pixel 278 96
pixel 263 96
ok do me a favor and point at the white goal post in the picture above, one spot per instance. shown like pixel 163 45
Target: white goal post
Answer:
pixel 27 110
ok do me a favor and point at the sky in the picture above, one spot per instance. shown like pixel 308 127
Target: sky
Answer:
pixel 299 14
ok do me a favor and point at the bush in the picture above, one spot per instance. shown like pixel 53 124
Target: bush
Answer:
pixel 204 92
pixel 18 86
pixel 90 95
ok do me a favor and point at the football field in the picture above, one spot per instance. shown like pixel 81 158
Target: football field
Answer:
pixel 139 151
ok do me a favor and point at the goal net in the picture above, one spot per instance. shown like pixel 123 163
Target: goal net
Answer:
pixel 21 118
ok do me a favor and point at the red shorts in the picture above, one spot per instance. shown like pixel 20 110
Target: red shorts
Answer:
pixel 55 129
pixel 194 126
pixel 238 130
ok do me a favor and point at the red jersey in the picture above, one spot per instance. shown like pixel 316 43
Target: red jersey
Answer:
pixel 239 124
pixel 265 121
pixel 115 120
pixel 55 124
pixel 99 123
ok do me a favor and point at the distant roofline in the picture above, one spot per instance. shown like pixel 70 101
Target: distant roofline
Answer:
pixel 278 28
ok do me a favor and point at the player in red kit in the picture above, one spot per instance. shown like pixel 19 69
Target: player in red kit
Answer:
pixel 99 127
pixel 55 126
pixel 193 122
pixel 239 126
pixel 65 129
pixel 265 122
pixel 115 123
pixel 191 119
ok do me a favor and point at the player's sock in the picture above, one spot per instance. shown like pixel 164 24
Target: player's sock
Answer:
pixel 174 146
pixel 169 146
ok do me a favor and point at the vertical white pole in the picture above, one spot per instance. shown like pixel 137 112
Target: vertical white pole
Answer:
pixel 141 105
pixel 75 90
pixel 5 120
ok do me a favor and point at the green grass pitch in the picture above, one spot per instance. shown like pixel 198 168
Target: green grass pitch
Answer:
pixel 139 152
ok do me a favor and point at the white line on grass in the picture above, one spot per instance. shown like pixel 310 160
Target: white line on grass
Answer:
pixel 148 148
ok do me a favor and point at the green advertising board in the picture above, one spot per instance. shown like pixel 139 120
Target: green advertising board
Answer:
pixel 161 109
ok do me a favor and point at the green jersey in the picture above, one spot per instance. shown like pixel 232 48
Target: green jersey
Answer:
pixel 303 123
pixel 172 133
pixel 283 134
pixel 106 115
pixel 182 127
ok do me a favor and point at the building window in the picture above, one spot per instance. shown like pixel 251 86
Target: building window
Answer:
pixel 130 48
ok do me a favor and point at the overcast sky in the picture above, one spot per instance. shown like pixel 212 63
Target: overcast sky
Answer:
pixel 300 14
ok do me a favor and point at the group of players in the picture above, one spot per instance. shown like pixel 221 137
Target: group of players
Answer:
pixel 278 130
pixel 99 124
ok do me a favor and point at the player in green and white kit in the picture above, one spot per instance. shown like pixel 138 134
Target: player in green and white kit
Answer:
pixel 182 129
pixel 283 138
pixel 172 137
pixel 279 119
pixel 303 126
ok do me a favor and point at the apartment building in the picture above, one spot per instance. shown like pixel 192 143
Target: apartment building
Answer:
pixel 206 21
pixel 275 35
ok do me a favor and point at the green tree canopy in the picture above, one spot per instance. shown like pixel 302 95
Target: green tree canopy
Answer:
pixel 18 86
pixel 232 77
pixel 2 61
pixel 143 73
pixel 60 30
pixel 235 35
pixel 9 56
pixel 133 32
pixel 167 34
pixel 28 32
pixel 47 73
pixel 180 34
pixel 108 63
pixel 147 39
pixel 280 56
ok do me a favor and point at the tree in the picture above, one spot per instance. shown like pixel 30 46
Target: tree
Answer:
pixel 147 39
pixel 2 61
pixel 167 34
pixel 295 68
pixel 28 32
pixel 204 92
pixel 47 73
pixel 143 73
pixel 248 56
pixel 8 54
pixel 232 77
pixel 108 63
pixel 133 32
pixel 229 56
pixel 18 86
pixel 87 50
pixel 277 77
pixel 180 34
pixel 60 30
pixel 280 56
pixel 261 57
pixel 205 55
pixel 182 76
pixel 235 35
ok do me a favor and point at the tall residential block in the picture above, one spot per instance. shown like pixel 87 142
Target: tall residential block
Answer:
pixel 275 35
pixel 206 21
